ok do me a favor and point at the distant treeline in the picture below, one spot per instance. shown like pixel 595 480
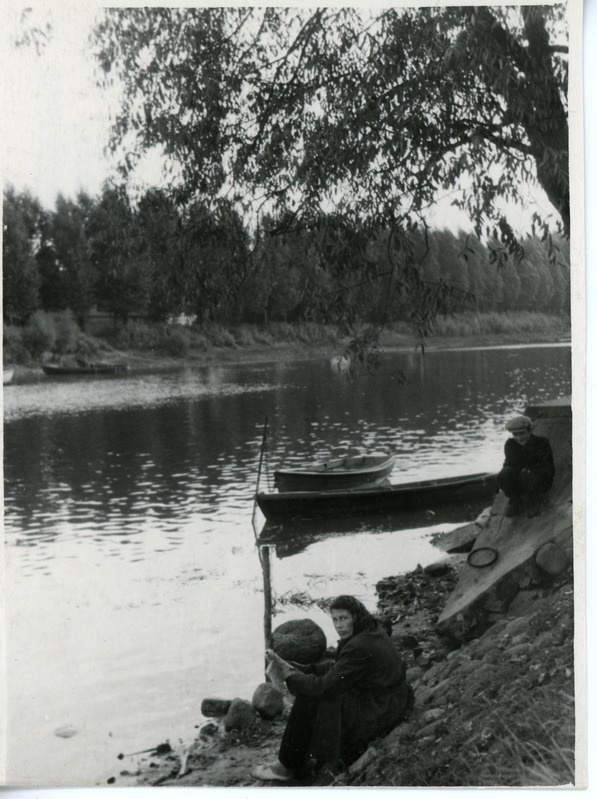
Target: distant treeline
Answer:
pixel 155 260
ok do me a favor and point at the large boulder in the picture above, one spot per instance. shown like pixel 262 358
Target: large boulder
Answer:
pixel 300 640
pixel 240 716
pixel 268 701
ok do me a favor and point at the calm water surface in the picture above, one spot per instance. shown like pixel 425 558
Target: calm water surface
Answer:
pixel 134 585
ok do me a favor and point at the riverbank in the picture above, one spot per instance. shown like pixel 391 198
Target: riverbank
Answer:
pixel 149 361
pixel 497 711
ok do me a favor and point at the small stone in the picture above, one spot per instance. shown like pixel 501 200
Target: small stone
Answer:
pixel 426 740
pixel 208 730
pixel 464 669
pixel 516 625
pixel 431 729
pixel 268 701
pixel 241 715
pixel 551 559
pixel 408 641
pixel 432 714
pixel 66 731
pixel 414 674
pixel 215 708
pixel 520 650
pixel 520 638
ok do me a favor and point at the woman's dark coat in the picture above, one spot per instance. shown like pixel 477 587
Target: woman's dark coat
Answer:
pixel 362 697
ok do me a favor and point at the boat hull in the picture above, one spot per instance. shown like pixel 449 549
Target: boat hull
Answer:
pixel 92 369
pixel 390 498
pixel 340 474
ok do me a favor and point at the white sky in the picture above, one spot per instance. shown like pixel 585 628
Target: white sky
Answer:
pixel 55 119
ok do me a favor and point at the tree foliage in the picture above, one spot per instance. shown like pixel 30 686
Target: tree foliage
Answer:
pixel 157 260
pixel 21 223
pixel 347 122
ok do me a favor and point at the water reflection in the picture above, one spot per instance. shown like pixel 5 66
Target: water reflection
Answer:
pixel 293 537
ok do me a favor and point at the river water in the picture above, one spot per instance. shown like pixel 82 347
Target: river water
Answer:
pixel 133 581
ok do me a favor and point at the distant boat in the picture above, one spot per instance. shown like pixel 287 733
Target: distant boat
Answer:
pixel 84 368
pixel 339 473
pixel 7 375
pixel 389 498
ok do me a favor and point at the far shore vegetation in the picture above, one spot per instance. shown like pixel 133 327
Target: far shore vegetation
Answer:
pixel 50 335
pixel 104 274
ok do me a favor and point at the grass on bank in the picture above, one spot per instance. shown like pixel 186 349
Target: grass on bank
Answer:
pixel 57 333
pixel 470 323
pixel 528 740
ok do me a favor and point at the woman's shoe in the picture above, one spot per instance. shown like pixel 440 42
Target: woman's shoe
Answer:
pixel 274 773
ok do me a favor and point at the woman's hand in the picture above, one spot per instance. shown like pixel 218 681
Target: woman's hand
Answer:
pixel 277 664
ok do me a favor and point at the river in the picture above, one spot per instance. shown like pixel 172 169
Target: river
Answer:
pixel 133 580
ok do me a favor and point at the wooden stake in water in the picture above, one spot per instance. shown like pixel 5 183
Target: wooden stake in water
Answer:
pixel 263 442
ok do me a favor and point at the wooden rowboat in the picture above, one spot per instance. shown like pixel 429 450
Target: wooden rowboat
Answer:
pixel 97 368
pixel 337 474
pixel 389 498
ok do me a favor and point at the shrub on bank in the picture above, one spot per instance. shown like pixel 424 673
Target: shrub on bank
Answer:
pixel 14 351
pixel 177 341
pixel 39 335
pixel 243 336
pixel 137 336
pixel 218 335
pixel 47 332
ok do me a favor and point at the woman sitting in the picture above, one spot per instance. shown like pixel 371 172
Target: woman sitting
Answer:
pixel 335 716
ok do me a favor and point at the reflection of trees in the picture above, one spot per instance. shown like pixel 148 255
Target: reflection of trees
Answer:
pixel 173 460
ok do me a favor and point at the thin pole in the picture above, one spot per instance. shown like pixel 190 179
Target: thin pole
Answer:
pixel 263 441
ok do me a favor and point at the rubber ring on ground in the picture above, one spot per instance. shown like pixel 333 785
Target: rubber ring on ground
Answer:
pixel 481 557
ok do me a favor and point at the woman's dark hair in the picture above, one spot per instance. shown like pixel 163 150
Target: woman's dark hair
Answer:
pixel 362 619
